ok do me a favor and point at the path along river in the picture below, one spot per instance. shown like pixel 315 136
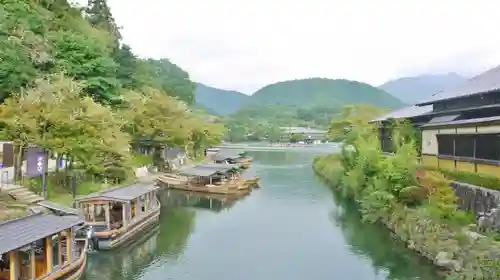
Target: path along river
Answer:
pixel 294 227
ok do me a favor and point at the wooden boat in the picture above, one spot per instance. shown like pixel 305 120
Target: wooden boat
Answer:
pixel 117 215
pixel 250 178
pixel 42 246
pixel 207 178
pixel 244 162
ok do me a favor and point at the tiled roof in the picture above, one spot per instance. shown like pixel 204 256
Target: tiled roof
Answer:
pixel 486 82
pixel 464 122
pixel 18 233
pixel 403 113
pixel 126 193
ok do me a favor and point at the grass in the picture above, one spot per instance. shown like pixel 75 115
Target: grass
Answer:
pixel 141 160
pixel 10 208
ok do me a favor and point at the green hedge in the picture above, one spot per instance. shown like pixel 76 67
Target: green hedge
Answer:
pixel 478 179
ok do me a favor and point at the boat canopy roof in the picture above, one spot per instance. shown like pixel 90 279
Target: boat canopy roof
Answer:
pixel 123 193
pixel 15 234
pixel 219 166
pixel 225 155
pixel 207 170
pixel 199 171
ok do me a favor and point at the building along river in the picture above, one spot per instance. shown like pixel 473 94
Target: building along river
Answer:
pixel 293 227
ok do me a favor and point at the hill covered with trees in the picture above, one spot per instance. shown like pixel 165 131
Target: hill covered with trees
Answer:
pixel 219 101
pixel 69 85
pixel 319 92
pixel 308 102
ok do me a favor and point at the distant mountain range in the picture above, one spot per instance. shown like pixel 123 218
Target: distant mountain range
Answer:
pixel 411 90
pixel 301 93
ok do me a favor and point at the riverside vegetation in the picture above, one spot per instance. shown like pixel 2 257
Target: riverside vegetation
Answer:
pixel 419 206
pixel 69 85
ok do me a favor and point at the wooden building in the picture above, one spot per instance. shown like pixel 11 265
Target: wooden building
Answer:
pixel 464 132
pixel 116 215
pixel 42 247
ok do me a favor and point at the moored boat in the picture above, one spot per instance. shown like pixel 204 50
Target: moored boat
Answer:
pixel 241 159
pixel 250 178
pixel 117 215
pixel 42 247
pixel 207 178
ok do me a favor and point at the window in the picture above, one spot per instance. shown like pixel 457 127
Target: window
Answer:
pixel 445 144
pixel 488 146
pixel 464 145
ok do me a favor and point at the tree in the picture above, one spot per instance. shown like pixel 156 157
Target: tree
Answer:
pixel 99 15
pixel 87 60
pixel 351 116
pixel 205 135
pixel 127 68
pixel 167 77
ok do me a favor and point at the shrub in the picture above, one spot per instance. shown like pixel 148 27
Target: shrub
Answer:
pixel 412 195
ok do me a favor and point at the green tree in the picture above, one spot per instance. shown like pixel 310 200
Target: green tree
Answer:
pixel 127 68
pixel 99 15
pixel 87 60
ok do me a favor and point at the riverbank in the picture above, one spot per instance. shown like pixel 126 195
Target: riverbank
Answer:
pixel 451 246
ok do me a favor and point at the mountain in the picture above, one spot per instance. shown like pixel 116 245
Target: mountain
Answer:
pixel 219 101
pixel 411 90
pixel 320 92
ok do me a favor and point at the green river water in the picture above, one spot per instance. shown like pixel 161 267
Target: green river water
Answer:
pixel 293 227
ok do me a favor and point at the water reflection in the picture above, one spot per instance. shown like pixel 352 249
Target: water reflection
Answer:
pixel 164 243
pixel 372 240
pixel 125 262
pixel 212 202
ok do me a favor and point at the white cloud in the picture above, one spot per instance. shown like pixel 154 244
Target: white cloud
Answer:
pixel 244 45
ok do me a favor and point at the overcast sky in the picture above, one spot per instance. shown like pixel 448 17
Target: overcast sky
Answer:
pixel 244 45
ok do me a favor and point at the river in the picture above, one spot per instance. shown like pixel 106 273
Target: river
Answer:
pixel 293 227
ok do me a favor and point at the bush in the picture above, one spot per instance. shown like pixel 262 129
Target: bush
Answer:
pixel 413 195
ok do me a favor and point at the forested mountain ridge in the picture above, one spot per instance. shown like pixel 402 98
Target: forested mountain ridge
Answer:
pixel 222 102
pixel 414 89
pixel 313 92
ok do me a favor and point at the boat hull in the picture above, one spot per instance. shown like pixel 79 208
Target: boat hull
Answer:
pixel 115 240
pixel 73 271
pixel 254 182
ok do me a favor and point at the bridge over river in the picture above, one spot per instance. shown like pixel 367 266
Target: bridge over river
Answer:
pixel 292 228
